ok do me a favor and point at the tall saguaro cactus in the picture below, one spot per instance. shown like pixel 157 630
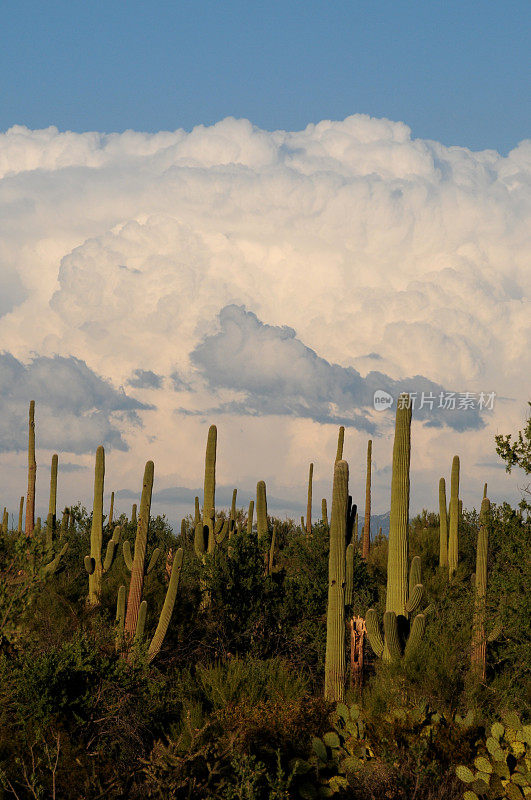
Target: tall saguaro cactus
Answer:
pixel 209 495
pixel 261 510
pixel 32 473
pixel 20 514
pixel 96 531
pixel 309 504
pixel 340 442
pixel 443 525
pixel 51 519
pixel 137 571
pixel 335 662
pixel 403 597
pixel 324 511
pixel 479 640
pixel 453 536
pixel 367 526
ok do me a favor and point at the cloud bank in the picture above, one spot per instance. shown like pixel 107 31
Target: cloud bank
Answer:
pixel 265 276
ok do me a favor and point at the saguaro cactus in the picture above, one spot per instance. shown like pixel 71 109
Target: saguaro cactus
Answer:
pixel 402 597
pixel 20 514
pixel 137 569
pixel 261 509
pixel 209 494
pixel 309 504
pixel 335 666
pixel 111 511
pixel 479 641
pixel 443 525
pixel 340 442
pixel 367 526
pixel 324 511
pixel 94 565
pixel 32 473
pixel 250 515
pixel 453 537
pixel 52 506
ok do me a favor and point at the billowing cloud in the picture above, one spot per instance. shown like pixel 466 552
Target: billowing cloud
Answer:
pixel 280 375
pixel 389 256
pixel 76 410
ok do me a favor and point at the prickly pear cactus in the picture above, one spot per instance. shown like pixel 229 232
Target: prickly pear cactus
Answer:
pixel 502 768
pixel 338 755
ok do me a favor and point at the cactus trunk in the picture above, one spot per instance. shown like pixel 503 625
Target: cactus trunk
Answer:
pixel 324 511
pixel 453 536
pixel 32 473
pixel 309 503
pixel 443 525
pixel 209 493
pixel 397 562
pixel 137 572
pixel 96 531
pixel 261 509
pixel 340 442
pixel 335 662
pixel 479 641
pixel 367 526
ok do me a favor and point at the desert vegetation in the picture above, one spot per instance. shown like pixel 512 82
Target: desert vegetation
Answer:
pixel 247 657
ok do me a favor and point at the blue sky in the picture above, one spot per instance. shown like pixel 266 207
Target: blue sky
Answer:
pixel 457 72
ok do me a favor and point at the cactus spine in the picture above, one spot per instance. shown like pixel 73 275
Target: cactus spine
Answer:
pixel 335 664
pixel 403 597
pixel 309 504
pixel 32 473
pixel 453 537
pixel 443 525
pixel 367 526
pixel 137 571
pixel 209 493
pixel 261 510
pixel 479 641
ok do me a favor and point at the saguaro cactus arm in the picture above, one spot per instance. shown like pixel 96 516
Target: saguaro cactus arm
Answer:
pixel 167 608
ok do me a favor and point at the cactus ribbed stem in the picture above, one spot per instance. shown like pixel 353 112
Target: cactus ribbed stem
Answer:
pixel 133 514
pixel 52 508
pixel 335 662
pixel 167 608
pixel 485 490
pixel 32 473
pixel 443 525
pixel 367 526
pixel 209 493
pixel 96 531
pixel 137 572
pixel 479 641
pixel 349 576
pixel 397 562
pixel 250 515
pixel 20 514
pixel 324 511
pixel 111 510
pixel 309 504
pixel 340 442
pixel 232 519
pixel 261 509
pixel 453 536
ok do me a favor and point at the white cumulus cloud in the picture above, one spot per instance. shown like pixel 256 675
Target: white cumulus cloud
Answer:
pixel 380 252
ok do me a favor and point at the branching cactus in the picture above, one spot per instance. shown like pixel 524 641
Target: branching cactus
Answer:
pixel 137 564
pixel 479 640
pixel 401 637
pixel 165 614
pixel 32 473
pixel 453 536
pixel 443 525
pixel 94 565
pixel 335 662
pixel 367 526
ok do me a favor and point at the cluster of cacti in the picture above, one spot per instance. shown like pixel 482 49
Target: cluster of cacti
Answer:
pixel 93 562
pixel 131 618
pixel 502 768
pixel 339 754
pixel 401 637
